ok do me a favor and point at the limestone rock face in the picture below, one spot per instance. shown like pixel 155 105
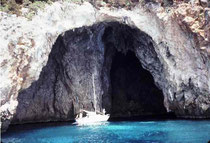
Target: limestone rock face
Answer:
pixel 47 63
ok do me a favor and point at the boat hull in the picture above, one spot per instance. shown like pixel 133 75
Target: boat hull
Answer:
pixel 94 119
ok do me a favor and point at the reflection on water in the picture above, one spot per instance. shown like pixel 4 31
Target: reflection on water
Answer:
pixel 180 131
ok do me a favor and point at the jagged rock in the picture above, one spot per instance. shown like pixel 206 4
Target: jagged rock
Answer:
pixel 47 64
pixel 167 2
pixel 207 15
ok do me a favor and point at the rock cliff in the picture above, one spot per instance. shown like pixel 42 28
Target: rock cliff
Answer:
pixel 47 63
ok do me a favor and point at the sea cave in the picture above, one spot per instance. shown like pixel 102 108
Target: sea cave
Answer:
pixel 128 76
pixel 104 71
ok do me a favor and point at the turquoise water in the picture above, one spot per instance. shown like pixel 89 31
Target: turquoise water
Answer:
pixel 174 131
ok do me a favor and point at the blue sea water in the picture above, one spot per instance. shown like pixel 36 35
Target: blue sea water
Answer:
pixel 172 131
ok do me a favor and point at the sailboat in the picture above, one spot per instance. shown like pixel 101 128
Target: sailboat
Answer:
pixel 91 117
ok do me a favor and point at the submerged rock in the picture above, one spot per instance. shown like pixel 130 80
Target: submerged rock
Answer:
pixel 47 63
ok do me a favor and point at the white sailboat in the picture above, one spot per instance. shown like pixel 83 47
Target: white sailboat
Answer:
pixel 89 117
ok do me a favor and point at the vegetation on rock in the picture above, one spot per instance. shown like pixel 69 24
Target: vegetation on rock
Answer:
pixel 15 6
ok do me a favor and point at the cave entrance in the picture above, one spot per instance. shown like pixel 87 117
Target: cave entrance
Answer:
pixel 133 90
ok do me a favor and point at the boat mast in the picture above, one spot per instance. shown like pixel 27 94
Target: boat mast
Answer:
pixel 94 92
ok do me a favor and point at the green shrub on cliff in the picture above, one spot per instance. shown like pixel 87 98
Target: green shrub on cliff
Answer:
pixel 10 6
pixel 34 7
pixel 14 6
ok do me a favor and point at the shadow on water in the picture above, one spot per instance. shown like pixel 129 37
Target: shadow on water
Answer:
pixel 17 128
pixel 149 128
pixel 153 117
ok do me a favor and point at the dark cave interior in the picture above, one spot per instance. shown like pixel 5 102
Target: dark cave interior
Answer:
pixel 133 90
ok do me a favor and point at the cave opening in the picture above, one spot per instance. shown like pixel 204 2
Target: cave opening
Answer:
pixel 111 51
pixel 133 90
